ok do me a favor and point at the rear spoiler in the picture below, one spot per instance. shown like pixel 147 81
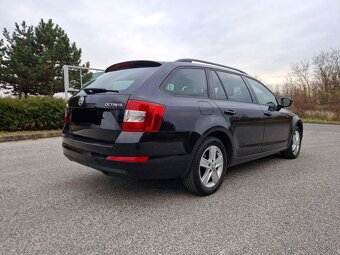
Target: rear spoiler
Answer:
pixel 132 64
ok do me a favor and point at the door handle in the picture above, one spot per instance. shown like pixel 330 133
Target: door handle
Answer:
pixel 229 112
pixel 267 113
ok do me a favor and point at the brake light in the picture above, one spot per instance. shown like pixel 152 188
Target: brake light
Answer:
pixel 142 116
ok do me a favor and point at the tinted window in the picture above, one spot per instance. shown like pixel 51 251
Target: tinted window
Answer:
pixel 216 87
pixel 187 82
pixel 235 87
pixel 121 79
pixel 264 95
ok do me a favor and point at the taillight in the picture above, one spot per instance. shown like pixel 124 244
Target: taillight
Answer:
pixel 142 116
pixel 66 117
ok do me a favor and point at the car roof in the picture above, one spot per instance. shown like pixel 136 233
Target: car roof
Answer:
pixel 176 63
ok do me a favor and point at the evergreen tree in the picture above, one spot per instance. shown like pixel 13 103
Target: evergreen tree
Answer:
pixel 2 55
pixel 33 59
pixel 18 66
pixel 55 50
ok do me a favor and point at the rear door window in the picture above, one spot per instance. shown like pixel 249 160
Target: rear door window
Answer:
pixel 235 87
pixel 187 82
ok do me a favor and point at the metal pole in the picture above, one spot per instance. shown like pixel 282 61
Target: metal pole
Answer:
pixel 66 81
pixel 81 79
pixel 85 68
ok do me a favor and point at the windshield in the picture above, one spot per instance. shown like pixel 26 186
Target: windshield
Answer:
pixel 122 79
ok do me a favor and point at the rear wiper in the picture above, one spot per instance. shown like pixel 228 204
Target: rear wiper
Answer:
pixel 99 90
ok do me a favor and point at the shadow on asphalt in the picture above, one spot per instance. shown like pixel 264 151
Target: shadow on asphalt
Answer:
pixel 256 165
pixel 104 185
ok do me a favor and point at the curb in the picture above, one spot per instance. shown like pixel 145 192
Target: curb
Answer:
pixel 12 138
pixel 320 122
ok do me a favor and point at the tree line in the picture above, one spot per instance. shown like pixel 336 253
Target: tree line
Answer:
pixel 32 59
pixel 314 85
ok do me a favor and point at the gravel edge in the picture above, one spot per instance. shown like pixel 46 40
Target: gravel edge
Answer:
pixel 12 138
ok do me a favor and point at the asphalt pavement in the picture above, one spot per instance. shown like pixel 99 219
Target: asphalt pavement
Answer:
pixel 50 205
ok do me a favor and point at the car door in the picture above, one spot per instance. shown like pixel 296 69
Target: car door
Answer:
pixel 277 122
pixel 245 118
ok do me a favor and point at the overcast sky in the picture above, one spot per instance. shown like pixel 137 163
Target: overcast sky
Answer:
pixel 261 37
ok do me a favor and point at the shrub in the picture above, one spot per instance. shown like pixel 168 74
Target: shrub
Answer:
pixel 40 113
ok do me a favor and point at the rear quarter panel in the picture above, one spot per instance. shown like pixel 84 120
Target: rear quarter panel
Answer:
pixel 183 119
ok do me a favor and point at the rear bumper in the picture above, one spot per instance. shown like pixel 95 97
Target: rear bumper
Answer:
pixel 173 164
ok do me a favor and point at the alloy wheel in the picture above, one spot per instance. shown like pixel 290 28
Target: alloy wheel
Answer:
pixel 211 166
pixel 296 142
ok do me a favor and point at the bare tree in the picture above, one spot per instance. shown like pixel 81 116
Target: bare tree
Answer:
pixel 327 77
pixel 302 72
pixel 315 85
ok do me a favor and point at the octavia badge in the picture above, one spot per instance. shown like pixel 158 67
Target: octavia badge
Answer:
pixel 81 101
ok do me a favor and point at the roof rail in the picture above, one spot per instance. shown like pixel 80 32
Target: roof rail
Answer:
pixel 190 60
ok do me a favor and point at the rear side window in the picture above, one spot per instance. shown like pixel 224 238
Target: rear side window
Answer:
pixel 216 87
pixel 121 79
pixel 235 87
pixel 187 82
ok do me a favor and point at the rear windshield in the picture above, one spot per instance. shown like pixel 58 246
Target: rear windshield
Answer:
pixel 122 79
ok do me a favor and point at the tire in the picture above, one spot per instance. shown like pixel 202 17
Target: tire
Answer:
pixel 208 167
pixel 293 152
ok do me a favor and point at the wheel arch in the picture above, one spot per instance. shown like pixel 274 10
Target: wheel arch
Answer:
pixel 297 122
pixel 223 135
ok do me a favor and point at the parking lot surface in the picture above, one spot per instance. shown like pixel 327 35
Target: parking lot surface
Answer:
pixel 50 205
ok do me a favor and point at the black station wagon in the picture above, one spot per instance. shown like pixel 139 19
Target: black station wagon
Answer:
pixel 188 119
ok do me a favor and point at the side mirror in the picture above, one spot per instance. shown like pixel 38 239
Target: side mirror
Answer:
pixel 286 102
